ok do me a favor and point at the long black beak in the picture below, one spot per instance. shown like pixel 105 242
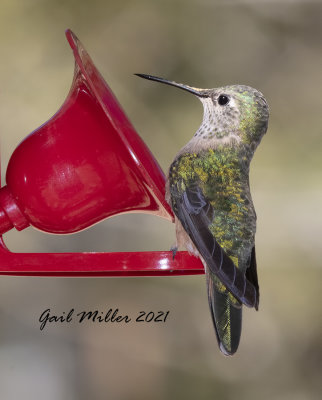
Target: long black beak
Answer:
pixel 195 91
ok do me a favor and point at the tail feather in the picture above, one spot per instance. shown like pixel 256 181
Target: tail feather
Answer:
pixel 226 315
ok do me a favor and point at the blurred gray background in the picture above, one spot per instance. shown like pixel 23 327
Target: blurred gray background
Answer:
pixel 275 46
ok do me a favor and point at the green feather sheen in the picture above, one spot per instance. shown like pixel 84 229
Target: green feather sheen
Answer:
pixel 223 176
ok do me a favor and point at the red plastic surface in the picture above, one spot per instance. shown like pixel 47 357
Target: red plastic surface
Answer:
pixel 85 164
pixel 150 263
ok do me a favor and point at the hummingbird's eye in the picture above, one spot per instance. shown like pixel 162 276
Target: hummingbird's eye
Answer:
pixel 223 100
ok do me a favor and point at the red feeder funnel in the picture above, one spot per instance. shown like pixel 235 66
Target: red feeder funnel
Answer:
pixel 85 164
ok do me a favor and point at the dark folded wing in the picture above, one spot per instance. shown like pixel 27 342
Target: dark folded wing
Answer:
pixel 251 275
pixel 195 214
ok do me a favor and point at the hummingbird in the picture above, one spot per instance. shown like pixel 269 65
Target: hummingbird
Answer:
pixel 208 190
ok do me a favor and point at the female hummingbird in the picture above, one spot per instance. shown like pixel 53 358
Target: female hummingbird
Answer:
pixel 208 190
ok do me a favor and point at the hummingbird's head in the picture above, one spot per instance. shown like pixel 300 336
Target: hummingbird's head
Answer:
pixel 234 114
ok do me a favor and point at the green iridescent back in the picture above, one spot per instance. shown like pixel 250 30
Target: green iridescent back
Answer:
pixel 222 175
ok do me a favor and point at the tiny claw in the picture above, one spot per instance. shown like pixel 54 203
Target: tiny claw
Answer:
pixel 174 250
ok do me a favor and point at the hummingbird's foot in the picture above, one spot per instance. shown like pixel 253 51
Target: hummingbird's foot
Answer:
pixel 174 250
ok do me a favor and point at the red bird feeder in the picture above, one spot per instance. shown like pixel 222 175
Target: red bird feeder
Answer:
pixel 85 164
